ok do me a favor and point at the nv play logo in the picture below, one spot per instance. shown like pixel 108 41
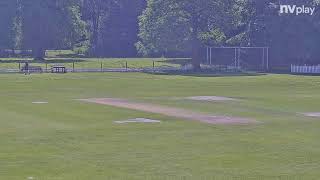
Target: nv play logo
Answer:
pixel 297 10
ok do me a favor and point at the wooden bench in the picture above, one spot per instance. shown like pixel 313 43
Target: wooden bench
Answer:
pixel 31 69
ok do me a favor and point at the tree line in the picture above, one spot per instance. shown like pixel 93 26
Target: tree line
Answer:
pixel 130 28
pixel 100 28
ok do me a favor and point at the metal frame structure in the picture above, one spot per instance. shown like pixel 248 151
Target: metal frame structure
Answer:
pixel 237 55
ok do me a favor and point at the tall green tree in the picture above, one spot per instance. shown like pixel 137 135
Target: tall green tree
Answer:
pixel 291 38
pixel 120 28
pixel 50 24
pixel 95 12
pixel 8 10
pixel 113 26
pixel 175 25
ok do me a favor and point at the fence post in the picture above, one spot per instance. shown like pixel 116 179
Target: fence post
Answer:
pixel 101 66
pixel 153 66
pixel 19 67
pixel 126 65
pixel 72 66
pixel 46 67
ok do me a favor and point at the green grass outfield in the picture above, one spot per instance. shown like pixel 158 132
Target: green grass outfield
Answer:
pixel 71 140
pixel 80 63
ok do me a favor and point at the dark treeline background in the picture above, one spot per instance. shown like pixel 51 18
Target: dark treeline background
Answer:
pixel 180 28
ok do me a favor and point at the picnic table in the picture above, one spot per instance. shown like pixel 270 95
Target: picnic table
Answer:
pixel 58 69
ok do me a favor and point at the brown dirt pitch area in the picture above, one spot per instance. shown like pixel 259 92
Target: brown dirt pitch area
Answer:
pixel 210 98
pixel 169 111
pixel 312 114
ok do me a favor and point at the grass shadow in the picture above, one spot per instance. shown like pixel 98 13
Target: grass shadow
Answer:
pixel 70 56
pixel 178 61
pixel 207 73
pixel 63 60
pixel 44 61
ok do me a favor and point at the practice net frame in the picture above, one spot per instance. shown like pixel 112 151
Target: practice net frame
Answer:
pixel 245 58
